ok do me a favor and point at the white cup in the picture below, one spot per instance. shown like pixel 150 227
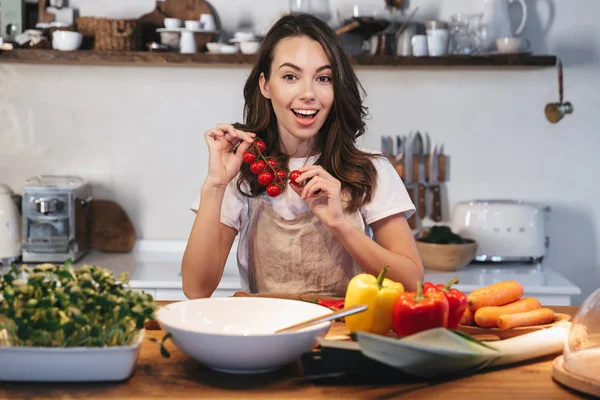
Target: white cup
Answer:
pixel 512 44
pixel 193 25
pixel 437 42
pixel 207 21
pixel 419 45
pixel 187 43
pixel 172 23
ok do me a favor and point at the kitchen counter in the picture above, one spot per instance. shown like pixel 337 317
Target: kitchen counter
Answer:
pixel 154 266
pixel 181 377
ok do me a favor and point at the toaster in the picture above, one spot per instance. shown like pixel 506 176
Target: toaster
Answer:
pixel 505 230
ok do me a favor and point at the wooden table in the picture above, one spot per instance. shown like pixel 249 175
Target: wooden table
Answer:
pixel 180 377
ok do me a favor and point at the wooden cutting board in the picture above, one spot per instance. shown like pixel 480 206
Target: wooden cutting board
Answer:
pixel 150 22
pixel 288 296
pixel 112 230
pixel 185 9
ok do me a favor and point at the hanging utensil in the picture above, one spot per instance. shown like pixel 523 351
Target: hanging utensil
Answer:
pixel 556 111
pixel 401 29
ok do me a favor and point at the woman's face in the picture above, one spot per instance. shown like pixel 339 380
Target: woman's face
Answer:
pixel 301 92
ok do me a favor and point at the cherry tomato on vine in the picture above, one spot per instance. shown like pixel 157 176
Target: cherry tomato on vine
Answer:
pixel 262 146
pixel 273 190
pixel 281 175
pixel 264 178
pixel 258 166
pixel 272 162
pixel 249 157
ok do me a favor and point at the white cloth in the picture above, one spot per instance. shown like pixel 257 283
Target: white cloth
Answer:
pixel 390 198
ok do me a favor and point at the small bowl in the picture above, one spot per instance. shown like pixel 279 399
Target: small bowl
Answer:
pixel 235 334
pixel 228 49
pixel 213 47
pixel 172 23
pixel 249 47
pixel 447 257
pixel 66 40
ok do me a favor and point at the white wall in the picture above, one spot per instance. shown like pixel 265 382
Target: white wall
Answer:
pixel 136 133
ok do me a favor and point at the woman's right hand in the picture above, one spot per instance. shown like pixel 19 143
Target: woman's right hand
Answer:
pixel 223 163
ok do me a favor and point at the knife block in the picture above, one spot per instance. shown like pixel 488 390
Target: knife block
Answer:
pixel 418 188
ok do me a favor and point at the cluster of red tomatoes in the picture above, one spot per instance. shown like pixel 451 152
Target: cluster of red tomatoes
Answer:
pixel 266 169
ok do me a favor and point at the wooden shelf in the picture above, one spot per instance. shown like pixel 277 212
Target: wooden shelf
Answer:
pixel 145 58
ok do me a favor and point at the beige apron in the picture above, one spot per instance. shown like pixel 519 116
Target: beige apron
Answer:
pixel 297 256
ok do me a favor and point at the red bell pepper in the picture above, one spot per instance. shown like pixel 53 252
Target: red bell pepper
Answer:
pixel 415 312
pixel 332 304
pixel 457 300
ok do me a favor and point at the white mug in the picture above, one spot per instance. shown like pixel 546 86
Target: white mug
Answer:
pixel 208 22
pixel 437 42
pixel 193 25
pixel 419 45
pixel 187 44
pixel 172 23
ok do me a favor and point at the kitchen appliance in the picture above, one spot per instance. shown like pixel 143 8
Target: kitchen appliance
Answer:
pixel 10 227
pixel 56 218
pixel 505 230
pixel 12 19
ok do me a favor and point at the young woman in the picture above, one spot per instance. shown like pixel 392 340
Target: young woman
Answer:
pixel 346 215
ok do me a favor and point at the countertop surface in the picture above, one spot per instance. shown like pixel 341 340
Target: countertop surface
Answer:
pixel 157 264
pixel 181 377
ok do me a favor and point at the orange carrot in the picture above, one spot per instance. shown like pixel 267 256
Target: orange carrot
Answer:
pixel 498 294
pixel 540 316
pixel 467 318
pixel 487 317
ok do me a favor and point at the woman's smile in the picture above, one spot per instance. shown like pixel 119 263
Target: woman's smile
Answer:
pixel 305 116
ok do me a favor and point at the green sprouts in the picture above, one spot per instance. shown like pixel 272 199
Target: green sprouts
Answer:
pixel 58 306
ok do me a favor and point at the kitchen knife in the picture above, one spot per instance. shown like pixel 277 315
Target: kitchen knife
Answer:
pixel 442 164
pixel 434 185
pixel 419 174
pixel 399 164
pixel 407 146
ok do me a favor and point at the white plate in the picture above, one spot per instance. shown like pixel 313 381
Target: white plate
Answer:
pixel 179 30
pixel 69 364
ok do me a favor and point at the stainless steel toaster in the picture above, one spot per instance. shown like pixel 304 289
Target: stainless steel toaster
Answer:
pixel 505 230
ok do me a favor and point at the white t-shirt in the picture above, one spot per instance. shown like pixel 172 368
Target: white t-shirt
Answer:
pixel 390 198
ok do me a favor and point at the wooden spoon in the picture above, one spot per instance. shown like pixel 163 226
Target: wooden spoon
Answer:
pixel 315 321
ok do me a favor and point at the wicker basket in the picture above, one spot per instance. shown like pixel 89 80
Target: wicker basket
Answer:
pixel 105 34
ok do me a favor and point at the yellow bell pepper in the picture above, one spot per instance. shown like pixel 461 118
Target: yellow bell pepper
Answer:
pixel 379 294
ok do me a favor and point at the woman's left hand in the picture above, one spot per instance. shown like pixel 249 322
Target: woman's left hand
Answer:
pixel 322 193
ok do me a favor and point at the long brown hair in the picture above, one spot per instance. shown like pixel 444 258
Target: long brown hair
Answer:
pixel 345 123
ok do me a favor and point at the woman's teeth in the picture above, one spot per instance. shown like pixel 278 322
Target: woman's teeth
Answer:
pixel 305 113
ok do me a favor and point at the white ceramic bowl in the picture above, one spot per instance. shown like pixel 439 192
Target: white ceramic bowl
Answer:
pixel 228 49
pixel 172 23
pixel 213 47
pixel 249 47
pixel 236 334
pixel 66 40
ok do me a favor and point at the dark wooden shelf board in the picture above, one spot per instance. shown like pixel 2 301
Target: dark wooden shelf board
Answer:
pixel 143 58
